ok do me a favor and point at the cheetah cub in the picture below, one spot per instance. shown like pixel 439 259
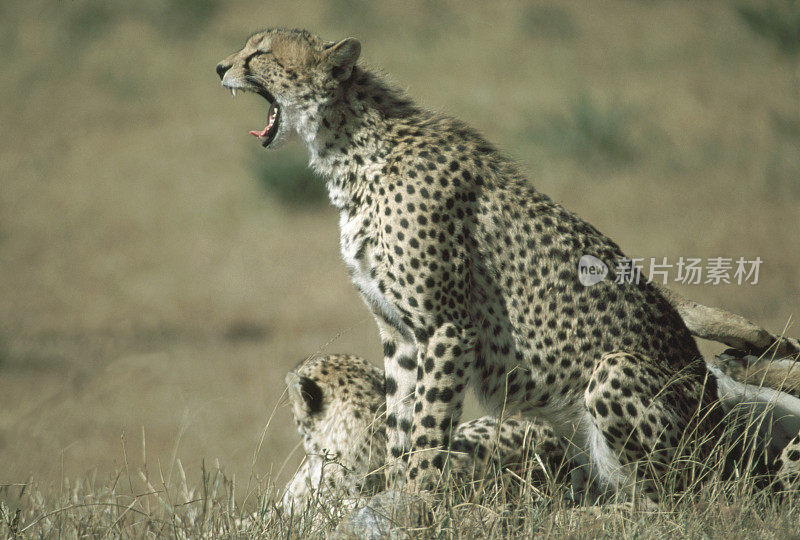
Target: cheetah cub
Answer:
pixel 473 278
pixel 778 373
pixel 338 404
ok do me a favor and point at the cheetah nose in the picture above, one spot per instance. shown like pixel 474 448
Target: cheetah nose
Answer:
pixel 222 69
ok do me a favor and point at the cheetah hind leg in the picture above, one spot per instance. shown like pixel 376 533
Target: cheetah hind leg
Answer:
pixel 641 419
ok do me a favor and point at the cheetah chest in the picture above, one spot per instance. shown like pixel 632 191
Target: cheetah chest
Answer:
pixel 362 253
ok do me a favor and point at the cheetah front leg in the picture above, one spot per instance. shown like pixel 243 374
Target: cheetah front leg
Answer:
pixel 301 488
pixel 400 365
pixel 442 376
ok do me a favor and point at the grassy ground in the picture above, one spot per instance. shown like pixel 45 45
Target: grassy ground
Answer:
pixel 156 284
pixel 165 502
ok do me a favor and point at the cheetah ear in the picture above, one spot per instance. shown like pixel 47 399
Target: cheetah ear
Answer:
pixel 311 394
pixel 304 393
pixel 341 57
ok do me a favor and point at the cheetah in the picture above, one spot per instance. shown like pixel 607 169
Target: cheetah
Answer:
pixel 782 374
pixel 338 402
pixel 472 276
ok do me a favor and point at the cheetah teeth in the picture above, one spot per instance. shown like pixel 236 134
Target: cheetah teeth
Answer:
pixel 233 92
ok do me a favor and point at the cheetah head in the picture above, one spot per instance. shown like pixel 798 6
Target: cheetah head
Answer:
pixel 335 399
pixel 295 71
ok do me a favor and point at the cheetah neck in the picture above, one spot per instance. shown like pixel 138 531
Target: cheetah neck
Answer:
pixel 350 138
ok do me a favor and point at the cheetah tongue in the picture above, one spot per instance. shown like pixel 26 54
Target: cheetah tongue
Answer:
pixel 269 130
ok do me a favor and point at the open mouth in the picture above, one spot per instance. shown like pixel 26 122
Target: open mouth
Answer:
pixel 267 134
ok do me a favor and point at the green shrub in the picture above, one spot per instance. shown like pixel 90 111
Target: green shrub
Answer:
pixel 86 20
pixel 352 15
pixel 548 21
pixel 182 17
pixel 602 130
pixel 778 21
pixel 285 175
pixel 587 131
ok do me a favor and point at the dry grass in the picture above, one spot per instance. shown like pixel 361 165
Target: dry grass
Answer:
pixel 162 501
pixel 148 283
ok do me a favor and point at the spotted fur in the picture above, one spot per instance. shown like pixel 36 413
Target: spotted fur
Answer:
pixel 779 373
pixel 338 403
pixel 472 274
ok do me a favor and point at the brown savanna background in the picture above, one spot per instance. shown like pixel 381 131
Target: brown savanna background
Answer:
pixel 160 272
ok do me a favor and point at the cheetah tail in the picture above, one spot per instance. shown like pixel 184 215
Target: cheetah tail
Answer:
pixel 779 410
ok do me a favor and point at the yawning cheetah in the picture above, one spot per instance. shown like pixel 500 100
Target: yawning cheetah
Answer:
pixel 472 276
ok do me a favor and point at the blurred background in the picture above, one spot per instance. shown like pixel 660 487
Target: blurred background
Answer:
pixel 160 272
